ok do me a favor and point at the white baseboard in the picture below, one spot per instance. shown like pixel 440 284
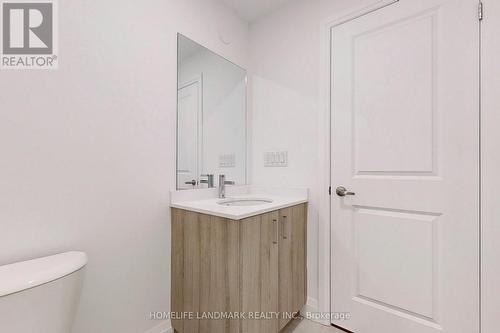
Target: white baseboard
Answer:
pixel 311 305
pixel 163 327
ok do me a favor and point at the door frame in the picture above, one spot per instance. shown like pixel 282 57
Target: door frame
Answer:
pixel 325 289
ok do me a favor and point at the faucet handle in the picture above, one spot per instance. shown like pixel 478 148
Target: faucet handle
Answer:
pixel 209 181
pixel 223 181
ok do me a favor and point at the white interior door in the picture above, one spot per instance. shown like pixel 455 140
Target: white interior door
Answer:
pixel 405 139
pixel 189 134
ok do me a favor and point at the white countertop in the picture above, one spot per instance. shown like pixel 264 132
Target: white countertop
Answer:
pixel 205 201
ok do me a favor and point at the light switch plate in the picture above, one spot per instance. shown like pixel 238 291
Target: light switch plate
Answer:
pixel 276 159
pixel 227 161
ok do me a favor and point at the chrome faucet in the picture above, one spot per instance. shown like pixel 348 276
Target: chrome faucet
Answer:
pixel 209 181
pixel 222 185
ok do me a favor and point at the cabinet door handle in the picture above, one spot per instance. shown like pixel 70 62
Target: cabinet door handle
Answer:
pixel 285 225
pixel 275 227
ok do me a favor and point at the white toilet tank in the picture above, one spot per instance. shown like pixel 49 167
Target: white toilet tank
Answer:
pixel 41 295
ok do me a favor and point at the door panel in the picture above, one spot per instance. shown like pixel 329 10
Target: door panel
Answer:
pixel 384 241
pixel 408 64
pixel 405 128
pixel 189 138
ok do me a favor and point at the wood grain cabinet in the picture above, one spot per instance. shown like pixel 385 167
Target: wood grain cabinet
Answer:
pixel 292 262
pixel 251 271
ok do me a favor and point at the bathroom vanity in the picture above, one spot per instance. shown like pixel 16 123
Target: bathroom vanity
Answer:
pixel 244 261
pixel 238 253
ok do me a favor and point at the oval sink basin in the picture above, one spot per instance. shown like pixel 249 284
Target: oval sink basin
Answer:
pixel 244 202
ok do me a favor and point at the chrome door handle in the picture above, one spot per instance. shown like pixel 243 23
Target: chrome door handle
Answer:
pixel 342 191
pixel 193 182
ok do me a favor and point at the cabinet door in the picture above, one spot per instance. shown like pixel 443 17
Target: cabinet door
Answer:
pixel 292 261
pixel 205 268
pixel 259 272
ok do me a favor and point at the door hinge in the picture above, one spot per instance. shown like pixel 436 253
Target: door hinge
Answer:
pixel 480 11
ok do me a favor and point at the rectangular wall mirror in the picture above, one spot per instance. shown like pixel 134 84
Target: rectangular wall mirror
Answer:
pixel 211 117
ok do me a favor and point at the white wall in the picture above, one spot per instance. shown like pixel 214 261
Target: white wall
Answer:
pixel 285 62
pixel 87 152
pixel 490 168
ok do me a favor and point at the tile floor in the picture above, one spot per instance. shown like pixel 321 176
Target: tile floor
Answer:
pixel 301 325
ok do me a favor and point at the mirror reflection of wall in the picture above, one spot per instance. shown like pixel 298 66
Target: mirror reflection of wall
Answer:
pixel 211 121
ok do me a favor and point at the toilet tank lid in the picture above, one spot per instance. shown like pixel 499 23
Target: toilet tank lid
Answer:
pixel 28 274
